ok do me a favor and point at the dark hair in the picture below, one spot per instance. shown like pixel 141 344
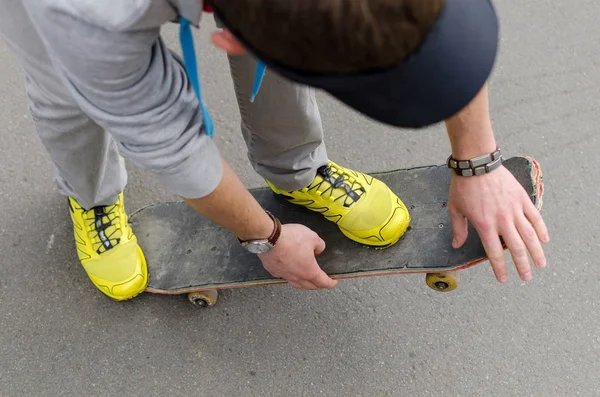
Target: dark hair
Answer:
pixel 332 36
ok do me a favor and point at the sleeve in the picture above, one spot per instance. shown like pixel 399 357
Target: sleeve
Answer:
pixel 123 76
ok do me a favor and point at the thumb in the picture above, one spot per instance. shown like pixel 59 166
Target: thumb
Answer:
pixel 459 228
pixel 227 42
pixel 319 245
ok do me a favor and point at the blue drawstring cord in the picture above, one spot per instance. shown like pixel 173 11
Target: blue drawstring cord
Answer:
pixel 189 60
pixel 191 68
pixel 261 68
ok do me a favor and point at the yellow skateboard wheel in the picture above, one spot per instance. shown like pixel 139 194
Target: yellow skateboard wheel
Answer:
pixel 203 298
pixel 442 282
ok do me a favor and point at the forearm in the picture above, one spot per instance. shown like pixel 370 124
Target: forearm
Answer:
pixel 470 131
pixel 233 207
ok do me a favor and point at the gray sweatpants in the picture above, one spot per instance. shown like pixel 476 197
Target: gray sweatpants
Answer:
pixel 101 83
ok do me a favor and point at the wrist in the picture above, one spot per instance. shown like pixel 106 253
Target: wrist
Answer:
pixel 475 147
pixel 264 244
pixel 468 142
pixel 261 227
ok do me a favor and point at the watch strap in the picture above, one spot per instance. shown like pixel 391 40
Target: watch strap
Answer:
pixel 272 239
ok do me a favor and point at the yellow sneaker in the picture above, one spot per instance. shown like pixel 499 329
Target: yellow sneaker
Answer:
pixel 364 208
pixel 108 249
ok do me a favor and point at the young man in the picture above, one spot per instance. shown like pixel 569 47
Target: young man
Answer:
pixel 100 80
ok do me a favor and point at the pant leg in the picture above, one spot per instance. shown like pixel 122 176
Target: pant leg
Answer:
pixel 87 163
pixel 282 128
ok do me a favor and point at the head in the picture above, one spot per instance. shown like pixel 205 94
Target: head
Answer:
pixel 332 36
pixel 409 63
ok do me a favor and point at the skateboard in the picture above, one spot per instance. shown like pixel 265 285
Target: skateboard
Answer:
pixel 189 254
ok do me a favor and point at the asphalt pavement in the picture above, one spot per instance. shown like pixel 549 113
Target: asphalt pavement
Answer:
pixel 382 336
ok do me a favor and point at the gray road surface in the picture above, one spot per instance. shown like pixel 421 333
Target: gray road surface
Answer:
pixel 388 336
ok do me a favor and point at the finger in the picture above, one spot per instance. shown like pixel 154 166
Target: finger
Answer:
pixel 518 251
pixel 319 245
pixel 534 216
pixel 459 227
pixel 303 285
pixel 532 242
pixel 322 280
pixel 495 252
pixel 294 284
pixel 227 42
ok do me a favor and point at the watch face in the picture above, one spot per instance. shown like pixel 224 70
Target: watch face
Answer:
pixel 258 248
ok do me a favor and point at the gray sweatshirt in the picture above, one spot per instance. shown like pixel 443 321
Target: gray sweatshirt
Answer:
pixel 111 57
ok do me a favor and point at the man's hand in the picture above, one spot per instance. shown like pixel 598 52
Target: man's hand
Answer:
pixel 497 205
pixel 293 258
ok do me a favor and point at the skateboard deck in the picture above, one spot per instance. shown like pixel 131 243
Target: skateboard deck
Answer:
pixel 189 254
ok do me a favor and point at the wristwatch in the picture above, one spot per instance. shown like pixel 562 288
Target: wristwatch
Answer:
pixel 263 246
